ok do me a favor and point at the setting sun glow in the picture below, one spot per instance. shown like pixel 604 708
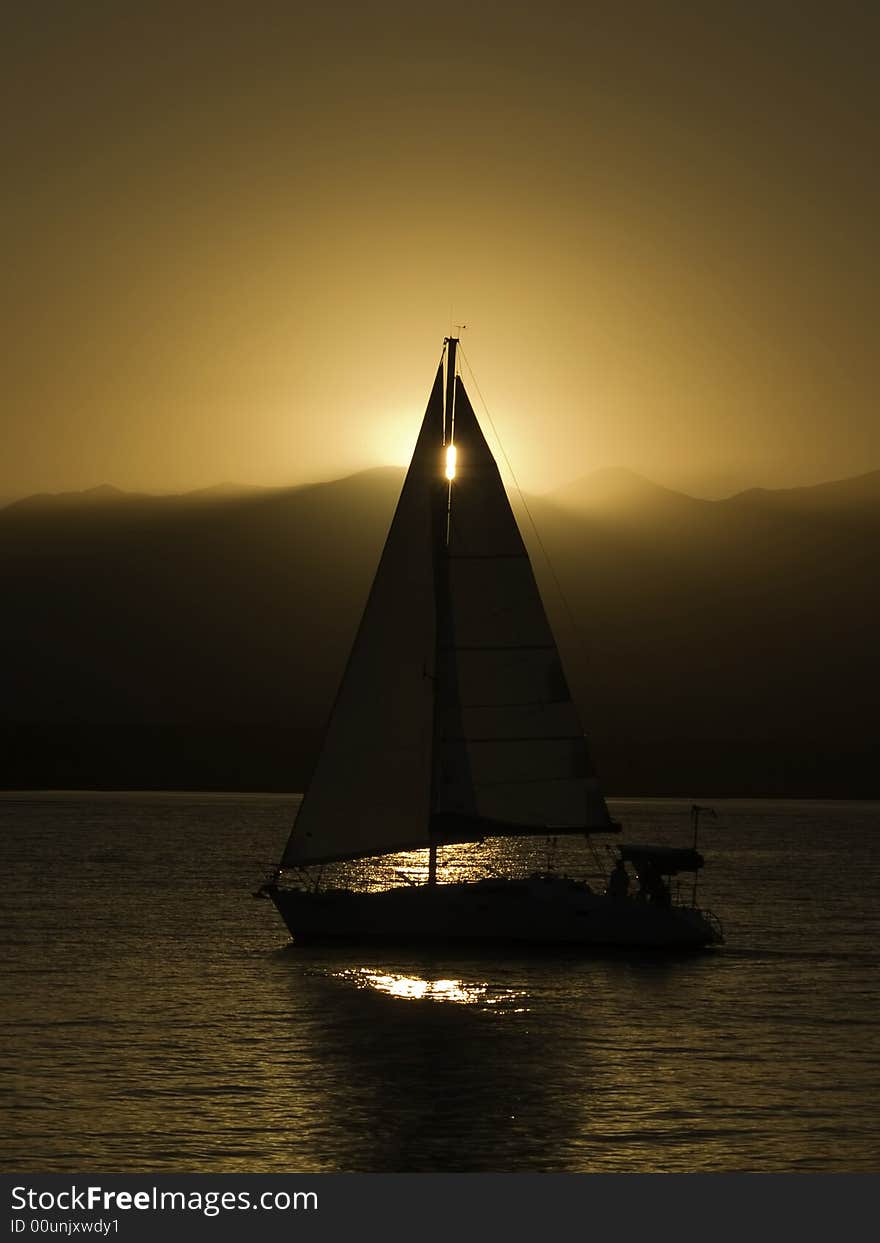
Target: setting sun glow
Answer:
pixel 451 455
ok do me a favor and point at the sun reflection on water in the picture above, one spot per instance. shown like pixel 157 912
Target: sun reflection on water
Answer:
pixel 469 861
pixel 418 988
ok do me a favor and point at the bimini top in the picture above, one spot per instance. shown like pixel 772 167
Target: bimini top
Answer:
pixel 668 860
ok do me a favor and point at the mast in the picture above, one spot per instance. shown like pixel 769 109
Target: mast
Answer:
pixel 451 344
pixel 440 569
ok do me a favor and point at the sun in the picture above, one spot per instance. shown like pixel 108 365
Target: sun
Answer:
pixel 392 437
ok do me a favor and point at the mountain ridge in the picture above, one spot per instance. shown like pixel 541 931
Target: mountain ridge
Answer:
pixel 171 644
pixel 605 485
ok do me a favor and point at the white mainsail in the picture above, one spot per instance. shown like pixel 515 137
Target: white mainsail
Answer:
pixel 453 719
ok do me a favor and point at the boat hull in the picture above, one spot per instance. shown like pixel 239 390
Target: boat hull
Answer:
pixel 535 911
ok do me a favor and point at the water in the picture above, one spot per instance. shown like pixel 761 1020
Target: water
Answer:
pixel 157 1019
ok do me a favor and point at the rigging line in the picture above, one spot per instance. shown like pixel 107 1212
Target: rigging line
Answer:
pixel 565 604
pixel 444 363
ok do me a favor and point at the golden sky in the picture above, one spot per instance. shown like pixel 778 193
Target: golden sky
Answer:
pixel 236 234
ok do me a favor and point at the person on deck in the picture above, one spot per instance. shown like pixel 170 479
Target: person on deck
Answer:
pixel 653 887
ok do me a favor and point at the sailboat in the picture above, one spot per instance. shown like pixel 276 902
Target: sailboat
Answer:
pixel 454 724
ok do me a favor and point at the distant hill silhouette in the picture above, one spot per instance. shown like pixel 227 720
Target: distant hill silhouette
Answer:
pixel 103 494
pixel 195 641
pixel 859 496
pixel 615 488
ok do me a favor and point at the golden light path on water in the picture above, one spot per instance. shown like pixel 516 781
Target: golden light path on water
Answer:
pixel 418 988
pixel 471 861
pixel 181 1029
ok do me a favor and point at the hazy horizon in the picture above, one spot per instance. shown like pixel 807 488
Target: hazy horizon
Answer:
pixel 239 485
